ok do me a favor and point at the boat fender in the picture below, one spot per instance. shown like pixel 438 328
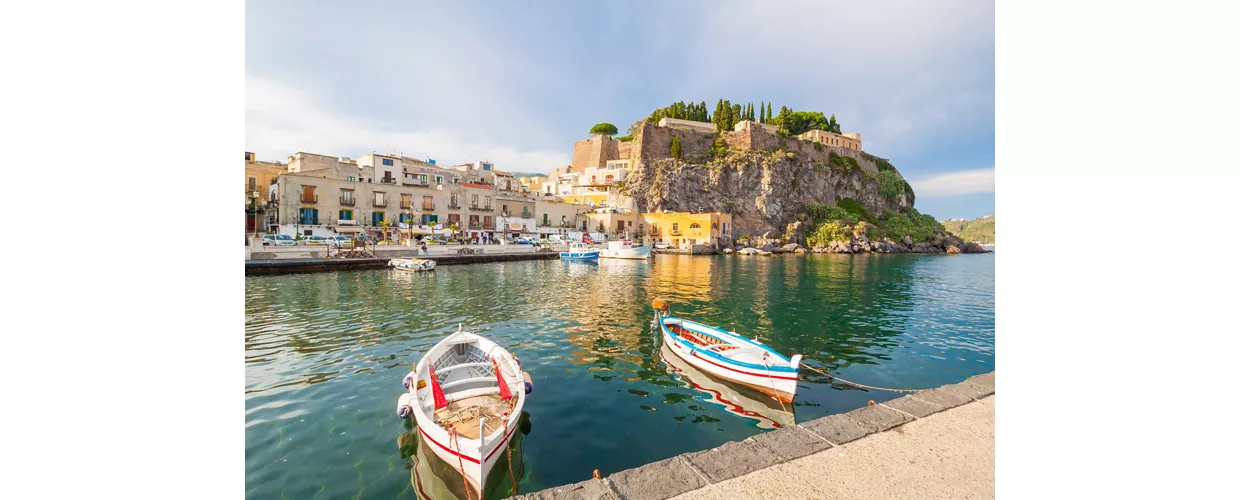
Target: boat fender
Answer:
pixel 529 382
pixel 408 381
pixel 404 405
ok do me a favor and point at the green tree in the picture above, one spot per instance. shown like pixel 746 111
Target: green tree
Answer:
pixel 676 151
pixel 604 129
pixel 719 116
pixel 761 112
pixel 768 112
pixel 704 115
pixel 737 115
pixel 832 126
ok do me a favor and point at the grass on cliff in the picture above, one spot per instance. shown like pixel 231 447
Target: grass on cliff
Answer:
pixel 981 229
pixel 832 222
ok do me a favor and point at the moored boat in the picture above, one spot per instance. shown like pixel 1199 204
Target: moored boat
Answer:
pixel 412 264
pixel 579 251
pixel 728 355
pixel 466 394
pixel 625 250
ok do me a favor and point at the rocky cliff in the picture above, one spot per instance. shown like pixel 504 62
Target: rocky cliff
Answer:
pixel 763 180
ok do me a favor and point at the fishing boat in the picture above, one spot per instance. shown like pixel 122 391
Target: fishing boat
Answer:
pixel 732 398
pixel 625 250
pixel 728 355
pixel 466 394
pixel 579 251
pixel 412 264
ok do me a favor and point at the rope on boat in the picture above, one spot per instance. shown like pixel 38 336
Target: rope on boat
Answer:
pixel 508 448
pixel 457 443
pixel 772 381
pixel 863 386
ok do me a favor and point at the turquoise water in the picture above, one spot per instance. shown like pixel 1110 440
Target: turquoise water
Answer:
pixel 325 354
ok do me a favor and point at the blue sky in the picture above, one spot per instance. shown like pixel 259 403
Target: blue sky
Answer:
pixel 517 83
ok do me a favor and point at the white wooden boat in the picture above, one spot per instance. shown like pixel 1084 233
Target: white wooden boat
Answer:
pixel 412 264
pixel 466 395
pixel 733 398
pixel 728 355
pixel 625 250
pixel 579 251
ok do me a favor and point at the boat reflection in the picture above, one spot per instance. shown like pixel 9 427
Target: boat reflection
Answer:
pixel 744 402
pixel 434 479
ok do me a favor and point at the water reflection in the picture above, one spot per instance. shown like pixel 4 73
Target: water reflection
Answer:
pixel 737 400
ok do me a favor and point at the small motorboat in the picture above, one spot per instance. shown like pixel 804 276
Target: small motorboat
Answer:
pixel 728 355
pixel 466 395
pixel 412 264
pixel 733 398
pixel 625 250
pixel 579 251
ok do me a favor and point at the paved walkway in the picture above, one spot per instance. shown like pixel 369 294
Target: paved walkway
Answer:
pixel 950 454
pixel 938 443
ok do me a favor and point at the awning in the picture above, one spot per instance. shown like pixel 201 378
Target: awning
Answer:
pixel 348 229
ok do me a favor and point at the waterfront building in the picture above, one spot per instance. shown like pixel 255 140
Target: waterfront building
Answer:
pixel 683 230
pixel 258 178
pixel 324 195
pixel 557 217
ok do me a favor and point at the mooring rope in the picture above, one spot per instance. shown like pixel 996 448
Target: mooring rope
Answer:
pixel 455 442
pixel 508 447
pixel 773 389
pixel 863 386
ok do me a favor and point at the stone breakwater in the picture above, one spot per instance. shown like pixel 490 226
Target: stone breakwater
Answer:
pixel 722 468
pixel 857 243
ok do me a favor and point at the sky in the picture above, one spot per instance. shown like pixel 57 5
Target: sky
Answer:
pixel 516 84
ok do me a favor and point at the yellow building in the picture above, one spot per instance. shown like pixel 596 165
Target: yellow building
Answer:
pixel 683 230
pixel 258 177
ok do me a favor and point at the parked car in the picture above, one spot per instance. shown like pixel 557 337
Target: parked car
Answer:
pixel 340 242
pixel 282 240
pixel 316 240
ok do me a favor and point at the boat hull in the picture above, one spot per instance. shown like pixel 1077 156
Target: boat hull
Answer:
pixel 630 253
pixel 579 256
pixel 732 397
pixel 778 383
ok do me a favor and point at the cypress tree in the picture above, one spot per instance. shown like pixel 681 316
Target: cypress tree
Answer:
pixel 718 115
pixel 761 112
pixel 736 116
pixel 768 112
pixel 676 151
pixel 702 106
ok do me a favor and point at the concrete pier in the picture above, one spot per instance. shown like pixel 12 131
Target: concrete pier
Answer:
pixel 288 266
pixel 931 444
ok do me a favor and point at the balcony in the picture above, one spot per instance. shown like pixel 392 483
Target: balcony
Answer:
pixel 387 180
pixel 347 201
pixel 454 205
pixel 481 209
pixel 310 199
pixel 405 205
pixel 415 183
pixel 378 203
pixel 475 225
pixel 428 206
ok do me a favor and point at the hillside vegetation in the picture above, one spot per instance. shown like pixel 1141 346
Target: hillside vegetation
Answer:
pixel 981 229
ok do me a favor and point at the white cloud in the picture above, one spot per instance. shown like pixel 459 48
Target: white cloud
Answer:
pixel 955 183
pixel 282 119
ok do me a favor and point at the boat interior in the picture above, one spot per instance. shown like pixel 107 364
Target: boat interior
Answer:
pixel 696 335
pixel 465 374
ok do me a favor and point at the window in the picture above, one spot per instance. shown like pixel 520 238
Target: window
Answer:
pixel 387 162
pixel 428 203
pixel 404 218
pixel 488 221
pixel 695 226
pixel 252 183
pixel 545 219
pixel 438 179
pixel 675 227
pixel 714 225
pixel 453 218
pixel 422 178
pixel 473 201
pixel 430 220
pixel 504 209
pixel 346 214
pixel 453 201
pixel 376 218
pixel 488 205
pixel 309 215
